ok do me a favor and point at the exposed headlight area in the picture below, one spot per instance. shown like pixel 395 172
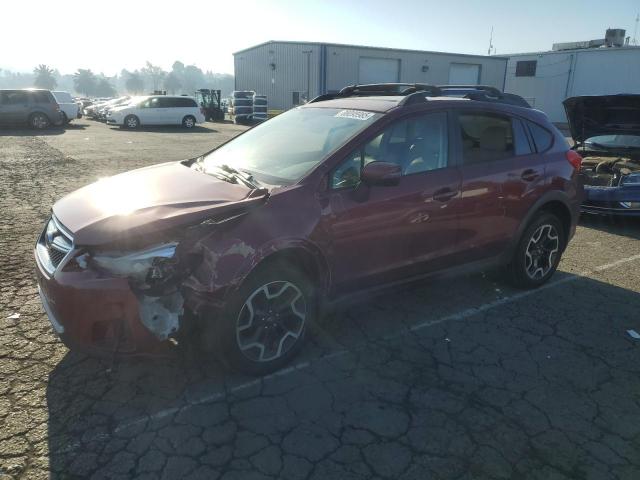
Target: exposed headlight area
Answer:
pixel 146 268
pixel 154 276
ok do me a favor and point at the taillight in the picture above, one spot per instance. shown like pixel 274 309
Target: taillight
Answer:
pixel 57 107
pixel 574 159
pixel 202 110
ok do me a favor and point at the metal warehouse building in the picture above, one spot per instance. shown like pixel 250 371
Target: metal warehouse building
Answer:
pixel 290 72
pixel 545 79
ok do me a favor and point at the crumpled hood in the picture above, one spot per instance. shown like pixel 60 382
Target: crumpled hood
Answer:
pixel 594 115
pixel 149 200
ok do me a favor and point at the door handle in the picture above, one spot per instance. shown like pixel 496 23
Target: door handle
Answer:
pixel 444 194
pixel 529 175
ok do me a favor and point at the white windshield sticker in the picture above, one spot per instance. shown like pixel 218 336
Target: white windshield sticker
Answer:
pixel 355 114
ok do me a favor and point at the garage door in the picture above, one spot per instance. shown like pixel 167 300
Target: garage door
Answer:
pixel 378 70
pixel 464 74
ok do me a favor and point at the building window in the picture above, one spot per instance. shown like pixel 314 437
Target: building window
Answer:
pixel 526 68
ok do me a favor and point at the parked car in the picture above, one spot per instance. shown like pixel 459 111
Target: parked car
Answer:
pixel 35 107
pixel 68 106
pixel 606 132
pixel 158 110
pixel 243 247
pixel 98 109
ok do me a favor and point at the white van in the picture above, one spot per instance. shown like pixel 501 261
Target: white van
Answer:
pixel 158 110
pixel 68 106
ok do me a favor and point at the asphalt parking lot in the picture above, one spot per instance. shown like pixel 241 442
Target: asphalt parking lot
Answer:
pixel 460 378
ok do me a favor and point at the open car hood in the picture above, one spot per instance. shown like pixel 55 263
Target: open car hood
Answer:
pixel 594 115
pixel 146 201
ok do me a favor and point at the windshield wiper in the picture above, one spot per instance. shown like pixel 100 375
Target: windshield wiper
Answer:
pixel 244 177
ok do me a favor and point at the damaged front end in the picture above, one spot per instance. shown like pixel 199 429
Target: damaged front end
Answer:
pixel 606 132
pixel 155 275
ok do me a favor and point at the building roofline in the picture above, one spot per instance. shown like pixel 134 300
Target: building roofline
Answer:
pixel 369 47
pixel 573 50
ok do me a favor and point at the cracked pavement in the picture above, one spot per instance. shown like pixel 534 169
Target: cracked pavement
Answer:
pixel 459 378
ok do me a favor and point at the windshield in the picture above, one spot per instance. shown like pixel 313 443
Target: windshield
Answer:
pixel 284 149
pixel 616 141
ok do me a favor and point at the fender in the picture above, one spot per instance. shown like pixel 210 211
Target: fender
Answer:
pixel 281 245
pixel 552 196
pixel 225 268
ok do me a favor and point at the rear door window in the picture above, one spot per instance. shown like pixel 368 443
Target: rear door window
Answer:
pixel 542 137
pixel 485 137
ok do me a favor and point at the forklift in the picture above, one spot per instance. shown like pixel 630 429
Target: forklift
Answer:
pixel 210 102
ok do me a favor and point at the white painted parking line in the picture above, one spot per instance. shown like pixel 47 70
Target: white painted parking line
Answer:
pixel 447 318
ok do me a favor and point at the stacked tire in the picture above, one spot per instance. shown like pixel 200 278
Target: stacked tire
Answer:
pixel 259 108
pixel 242 106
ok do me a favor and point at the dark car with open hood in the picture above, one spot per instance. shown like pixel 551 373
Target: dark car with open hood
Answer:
pixel 242 248
pixel 606 131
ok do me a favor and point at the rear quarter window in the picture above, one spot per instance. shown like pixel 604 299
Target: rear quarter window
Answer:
pixel 542 137
pixel 42 97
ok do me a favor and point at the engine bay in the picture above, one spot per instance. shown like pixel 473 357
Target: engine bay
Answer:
pixel 607 171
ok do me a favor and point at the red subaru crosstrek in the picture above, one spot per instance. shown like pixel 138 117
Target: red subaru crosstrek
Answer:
pixel 244 245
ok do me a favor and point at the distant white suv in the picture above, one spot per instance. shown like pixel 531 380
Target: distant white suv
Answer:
pixel 68 106
pixel 158 110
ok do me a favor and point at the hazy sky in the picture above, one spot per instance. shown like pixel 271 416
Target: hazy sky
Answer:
pixel 109 35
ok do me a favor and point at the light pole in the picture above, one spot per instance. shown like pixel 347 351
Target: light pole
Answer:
pixel 308 54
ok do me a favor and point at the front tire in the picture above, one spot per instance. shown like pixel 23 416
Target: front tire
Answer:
pixel 39 121
pixel 538 252
pixel 132 122
pixel 189 121
pixel 264 325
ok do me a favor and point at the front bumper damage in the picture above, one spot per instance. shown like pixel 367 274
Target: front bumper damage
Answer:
pixel 106 304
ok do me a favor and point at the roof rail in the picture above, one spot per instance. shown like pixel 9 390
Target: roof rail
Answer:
pixel 380 89
pixel 483 93
pixel 466 88
pixel 419 92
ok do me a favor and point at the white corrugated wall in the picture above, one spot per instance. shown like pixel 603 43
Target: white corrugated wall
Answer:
pixel 277 69
pixel 560 75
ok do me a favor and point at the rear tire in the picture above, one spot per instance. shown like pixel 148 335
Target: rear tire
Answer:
pixel 265 322
pixel 39 121
pixel 131 122
pixel 538 253
pixel 189 121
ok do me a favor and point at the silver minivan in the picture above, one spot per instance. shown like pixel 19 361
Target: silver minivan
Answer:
pixel 37 108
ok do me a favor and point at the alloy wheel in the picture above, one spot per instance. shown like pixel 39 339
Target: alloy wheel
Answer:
pixel 39 121
pixel 132 122
pixel 188 122
pixel 541 251
pixel 271 321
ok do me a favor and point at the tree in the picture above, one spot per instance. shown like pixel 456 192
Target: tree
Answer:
pixel 134 83
pixel 104 88
pixel 84 81
pixel 192 79
pixel 155 74
pixel 44 77
pixel 172 83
